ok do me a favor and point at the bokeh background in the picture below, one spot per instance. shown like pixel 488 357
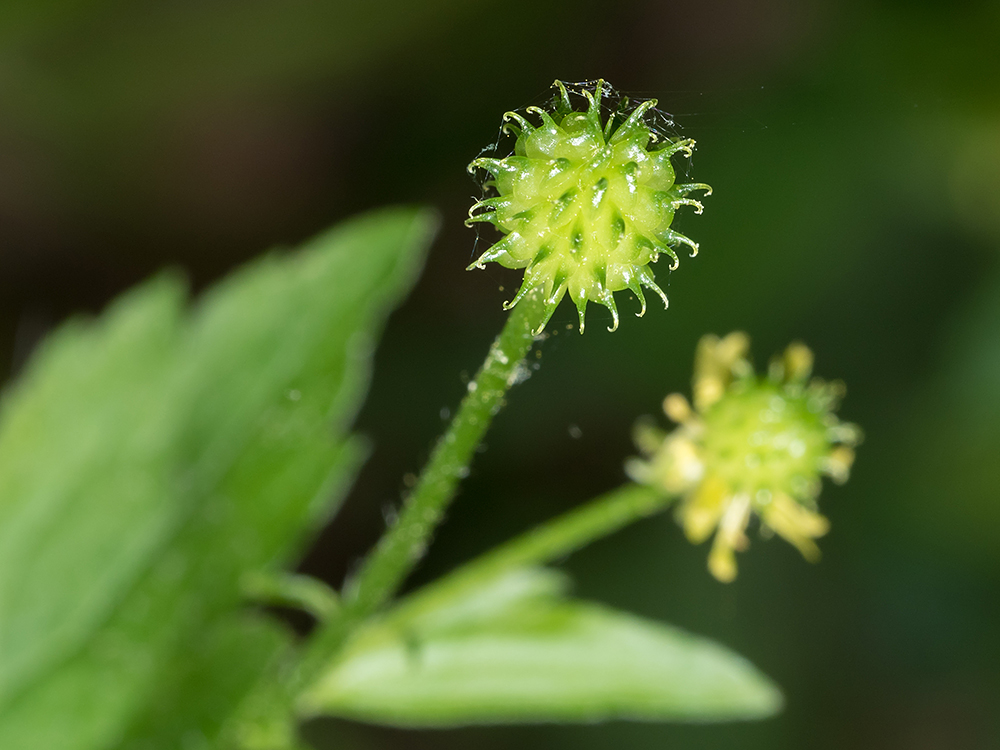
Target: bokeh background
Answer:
pixel 854 148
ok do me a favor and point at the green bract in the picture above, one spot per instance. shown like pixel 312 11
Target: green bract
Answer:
pixel 585 206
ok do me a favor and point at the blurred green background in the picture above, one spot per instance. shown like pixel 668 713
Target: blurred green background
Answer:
pixel 854 148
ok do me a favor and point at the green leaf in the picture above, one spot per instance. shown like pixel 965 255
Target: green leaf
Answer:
pixel 150 459
pixel 512 650
pixel 226 659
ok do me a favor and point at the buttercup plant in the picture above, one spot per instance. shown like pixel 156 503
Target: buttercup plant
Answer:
pixel 585 204
pixel 586 208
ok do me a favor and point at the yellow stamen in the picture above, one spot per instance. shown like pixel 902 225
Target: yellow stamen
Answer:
pixel 730 538
pixel 796 523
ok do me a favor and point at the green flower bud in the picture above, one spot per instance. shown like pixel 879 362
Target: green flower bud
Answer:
pixel 585 206
pixel 751 445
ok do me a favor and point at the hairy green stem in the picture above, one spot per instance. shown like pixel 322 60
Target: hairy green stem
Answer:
pixel 405 542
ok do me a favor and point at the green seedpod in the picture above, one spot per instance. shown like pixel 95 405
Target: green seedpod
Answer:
pixel 585 205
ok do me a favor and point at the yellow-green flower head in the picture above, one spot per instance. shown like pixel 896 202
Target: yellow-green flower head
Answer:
pixel 585 206
pixel 751 445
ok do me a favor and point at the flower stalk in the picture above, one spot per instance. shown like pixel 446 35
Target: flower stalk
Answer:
pixel 406 540
pixel 564 534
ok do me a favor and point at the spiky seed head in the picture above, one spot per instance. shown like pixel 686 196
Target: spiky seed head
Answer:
pixel 585 206
pixel 750 446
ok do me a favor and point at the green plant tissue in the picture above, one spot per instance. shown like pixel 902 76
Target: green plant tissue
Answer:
pixel 512 649
pixel 151 457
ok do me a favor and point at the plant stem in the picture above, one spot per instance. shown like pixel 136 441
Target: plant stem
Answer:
pixel 291 590
pixel 405 542
pixel 562 535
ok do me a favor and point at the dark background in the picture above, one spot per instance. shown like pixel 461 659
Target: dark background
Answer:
pixel 854 148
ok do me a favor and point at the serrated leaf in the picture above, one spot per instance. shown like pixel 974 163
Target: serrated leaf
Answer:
pixel 149 459
pixel 511 650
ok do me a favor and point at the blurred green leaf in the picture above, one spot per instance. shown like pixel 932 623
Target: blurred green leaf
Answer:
pixel 194 698
pixel 150 459
pixel 513 650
